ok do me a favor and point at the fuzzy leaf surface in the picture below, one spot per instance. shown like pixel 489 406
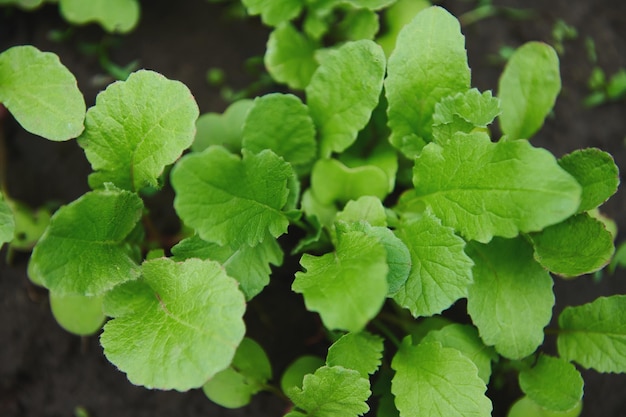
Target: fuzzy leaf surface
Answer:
pixel 290 56
pixel 594 334
pixel 136 128
pixel 41 93
pixel 83 251
pixel 7 222
pixel 281 122
pixel 484 189
pixel 273 12
pixel 347 287
pixel 511 298
pixel 437 381
pixel 579 245
pixel 360 351
pixel 113 15
pixel 344 91
pixel 596 171
pixel 553 383
pixel 415 81
pixel 232 201
pixel 175 327
pixel 528 88
pixel 250 266
pixel 440 270
pixel 330 392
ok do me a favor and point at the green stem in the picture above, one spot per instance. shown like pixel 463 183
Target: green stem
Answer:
pixel 387 332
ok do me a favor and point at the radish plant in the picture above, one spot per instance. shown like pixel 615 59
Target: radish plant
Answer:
pixel 389 183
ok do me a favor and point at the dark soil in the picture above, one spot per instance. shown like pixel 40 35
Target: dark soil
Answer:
pixel 44 371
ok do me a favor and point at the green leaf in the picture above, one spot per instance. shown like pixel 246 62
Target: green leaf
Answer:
pixel 397 16
pixel 370 4
pixel 440 271
pixel 359 24
pixel 344 91
pixel 552 383
pixel 348 287
pixel 177 326
pixel 290 57
pixel 222 129
pixel 295 372
pixel 596 171
pixel 7 222
pixel 41 93
pixel 594 334
pixel 525 407
pixel 136 128
pixel 83 251
pixel 247 374
pixel 511 298
pixel 78 314
pixel 579 245
pixel 484 189
pixel 113 15
pixel 528 88
pixel 232 201
pixel 273 12
pixel 332 181
pixel 250 266
pixel 331 392
pixel 365 208
pixel 465 339
pixel 281 122
pixel 24 4
pixel 359 351
pixel 437 381
pixel 30 225
pixel 428 64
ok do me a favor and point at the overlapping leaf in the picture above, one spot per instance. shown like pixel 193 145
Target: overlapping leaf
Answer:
pixel 344 91
pixel 78 314
pixel 484 189
pixel 224 129
pixel 511 298
pixel 273 12
pixel 136 128
pixel 175 327
pixel 83 251
pixel 41 93
pixel 114 15
pixel 360 351
pixel 7 223
pixel 594 334
pixel 233 201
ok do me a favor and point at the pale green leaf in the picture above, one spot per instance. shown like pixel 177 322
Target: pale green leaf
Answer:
pixel 113 15
pixel 440 270
pixel 594 334
pixel 344 91
pixel 83 251
pixel 528 88
pixel 295 372
pixel 596 171
pixel 224 129
pixel 525 407
pixel 348 287
pixel 359 24
pixel 281 122
pixel 465 339
pixel 365 208
pixel 324 212
pixel 177 326
pixel 7 222
pixel 247 374
pixel 428 64
pixel 24 4
pixel 331 392
pixel 369 4
pixel 437 381
pixel 360 351
pixel 136 128
pixel 552 383
pixel 511 298
pixel 78 314
pixel 290 56
pixel 41 93
pixel 250 266
pixel 579 245
pixel 30 225
pixel 397 16
pixel 274 12
pixel 332 181
pixel 484 189
pixel 230 200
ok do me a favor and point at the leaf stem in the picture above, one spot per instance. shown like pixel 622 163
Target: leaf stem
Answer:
pixel 386 331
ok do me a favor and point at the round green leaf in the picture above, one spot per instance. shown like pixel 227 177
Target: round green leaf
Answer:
pixel 114 15
pixel 525 407
pixel 274 12
pixel 222 129
pixel 41 93
pixel 78 314
pixel 83 250
pixel 295 372
pixel 136 128
pixel 177 326
pixel 360 351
